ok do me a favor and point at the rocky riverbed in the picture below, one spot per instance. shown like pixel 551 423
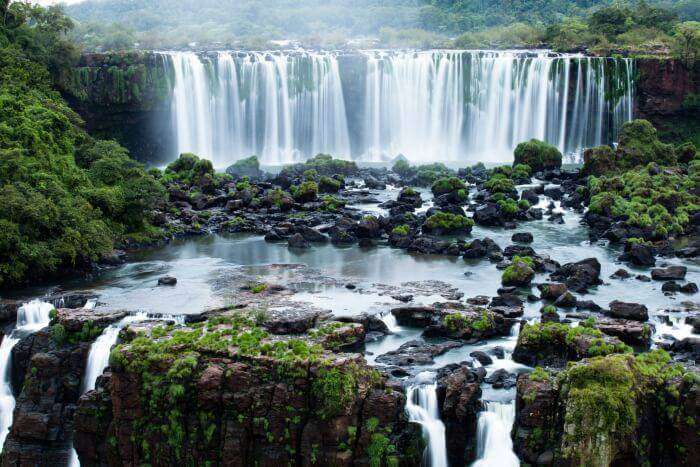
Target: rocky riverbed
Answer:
pixel 337 315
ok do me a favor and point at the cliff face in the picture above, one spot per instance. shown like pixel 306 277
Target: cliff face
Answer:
pixel 125 97
pixel 668 95
pixel 228 396
pixel 47 371
pixel 614 410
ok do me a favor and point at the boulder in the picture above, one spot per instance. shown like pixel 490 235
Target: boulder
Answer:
pixel 669 274
pixel 625 310
pixel 579 276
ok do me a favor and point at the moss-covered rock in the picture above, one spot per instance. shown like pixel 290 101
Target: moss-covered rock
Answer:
pixel 554 344
pixel 519 273
pixel 538 155
pixel 446 223
pixel 248 167
pixel 225 391
pixel 609 410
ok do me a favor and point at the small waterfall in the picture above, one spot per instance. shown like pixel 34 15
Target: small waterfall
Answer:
pixel 435 105
pixel 391 323
pixel 494 445
pixel 98 358
pixel 31 317
pixel 422 407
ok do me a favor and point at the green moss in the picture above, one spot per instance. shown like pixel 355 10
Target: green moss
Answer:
pixel 448 222
pixel 646 197
pixel 457 322
pixel 538 155
pixel 539 374
pixel 331 204
pixel 449 185
pixel 329 185
pixel 600 407
pixel 519 272
pixel 307 191
pixel 402 229
pixel 500 183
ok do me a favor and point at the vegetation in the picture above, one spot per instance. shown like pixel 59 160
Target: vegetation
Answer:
pixel 566 24
pixel 634 188
pixel 446 222
pixel 537 155
pixel 67 199
pixel 520 272
pixel 606 397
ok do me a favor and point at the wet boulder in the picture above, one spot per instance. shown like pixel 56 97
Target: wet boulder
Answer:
pixel 670 273
pixel 415 316
pixel 522 237
pixel 579 276
pixel 625 310
pixel 638 254
pixel 416 352
pixel 459 399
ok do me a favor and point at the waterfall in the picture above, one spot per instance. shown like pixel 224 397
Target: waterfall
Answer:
pixel 494 445
pixel 31 317
pixel 282 107
pixel 422 407
pixel 440 105
pixel 98 358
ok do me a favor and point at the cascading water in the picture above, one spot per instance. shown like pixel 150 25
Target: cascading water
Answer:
pixel 494 445
pixel 31 317
pixel 429 106
pixel 281 107
pixel 98 358
pixel 422 408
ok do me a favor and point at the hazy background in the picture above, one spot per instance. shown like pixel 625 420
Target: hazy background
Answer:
pixel 125 24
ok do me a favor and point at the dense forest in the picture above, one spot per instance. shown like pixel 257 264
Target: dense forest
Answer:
pixel 565 24
pixel 68 199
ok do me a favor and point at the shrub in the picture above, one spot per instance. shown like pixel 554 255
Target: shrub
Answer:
pixel 448 222
pixel 538 155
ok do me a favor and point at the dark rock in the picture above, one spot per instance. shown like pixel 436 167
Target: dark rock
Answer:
pixel 579 276
pixel 669 273
pixel 489 214
pixel 689 288
pixel 628 331
pixel 639 254
pixel 565 300
pixel 459 394
pixel 416 353
pixel 522 237
pixel 552 290
pixel 621 274
pixel 167 280
pixel 417 316
pixel 671 287
pixel 587 305
pixel 481 357
pixel 501 379
pixel 298 241
pixel 624 310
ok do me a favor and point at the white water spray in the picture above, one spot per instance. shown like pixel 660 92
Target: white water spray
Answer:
pixel 31 317
pixel 422 407
pixel 429 106
pixel 494 445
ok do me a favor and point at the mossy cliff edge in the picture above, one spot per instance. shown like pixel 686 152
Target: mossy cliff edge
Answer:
pixel 618 409
pixel 227 392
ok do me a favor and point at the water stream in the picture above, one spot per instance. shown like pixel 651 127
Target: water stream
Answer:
pixel 494 445
pixel 31 317
pixel 422 408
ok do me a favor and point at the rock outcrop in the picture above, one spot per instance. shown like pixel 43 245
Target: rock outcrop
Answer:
pixel 47 371
pixel 227 392
pixel 607 410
